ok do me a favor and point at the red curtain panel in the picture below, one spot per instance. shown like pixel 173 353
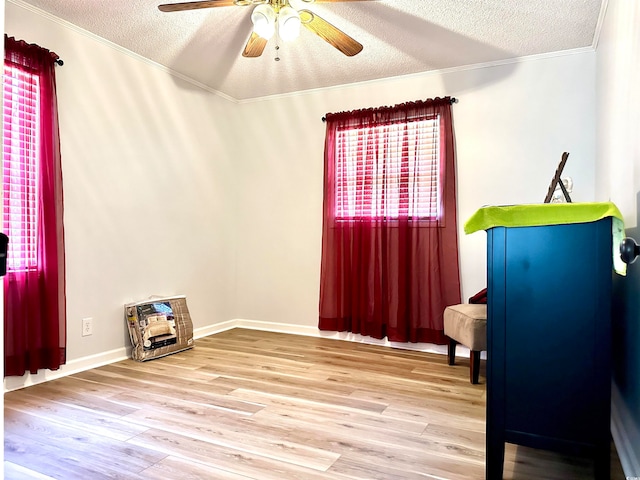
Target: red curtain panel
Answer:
pixel 34 286
pixel 389 238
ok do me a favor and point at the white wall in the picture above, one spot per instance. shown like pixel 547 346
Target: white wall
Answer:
pixel 512 124
pixel 171 189
pixel 148 182
pixel 618 179
pixel 618 80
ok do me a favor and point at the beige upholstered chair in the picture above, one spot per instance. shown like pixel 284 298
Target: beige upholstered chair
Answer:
pixel 467 324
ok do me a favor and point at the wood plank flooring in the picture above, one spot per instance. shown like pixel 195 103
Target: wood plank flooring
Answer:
pixel 247 404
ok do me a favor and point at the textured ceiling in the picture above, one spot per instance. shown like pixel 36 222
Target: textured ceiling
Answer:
pixel 400 37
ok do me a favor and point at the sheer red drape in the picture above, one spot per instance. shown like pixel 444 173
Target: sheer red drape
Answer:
pixel 390 277
pixel 34 298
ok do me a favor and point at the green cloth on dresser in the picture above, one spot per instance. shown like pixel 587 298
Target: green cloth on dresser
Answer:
pixel 533 215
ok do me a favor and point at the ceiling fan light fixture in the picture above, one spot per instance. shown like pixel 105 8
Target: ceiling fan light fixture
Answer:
pixel 288 23
pixel 263 18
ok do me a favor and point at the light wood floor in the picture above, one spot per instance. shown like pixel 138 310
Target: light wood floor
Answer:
pixel 254 405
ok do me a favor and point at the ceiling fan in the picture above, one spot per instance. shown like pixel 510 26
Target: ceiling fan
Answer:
pixel 269 16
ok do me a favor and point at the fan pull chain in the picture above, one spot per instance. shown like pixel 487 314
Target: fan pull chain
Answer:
pixel 277 57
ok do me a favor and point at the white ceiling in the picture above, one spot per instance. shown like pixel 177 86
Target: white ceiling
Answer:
pixel 400 37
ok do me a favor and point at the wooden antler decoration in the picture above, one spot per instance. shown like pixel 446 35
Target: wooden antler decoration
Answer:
pixel 555 181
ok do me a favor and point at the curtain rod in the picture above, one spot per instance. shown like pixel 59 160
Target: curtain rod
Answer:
pixel 453 100
pixel 38 48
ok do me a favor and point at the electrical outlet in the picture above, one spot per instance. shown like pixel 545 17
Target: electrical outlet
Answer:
pixel 87 326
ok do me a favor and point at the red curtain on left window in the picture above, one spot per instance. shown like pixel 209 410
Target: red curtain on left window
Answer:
pixel 34 292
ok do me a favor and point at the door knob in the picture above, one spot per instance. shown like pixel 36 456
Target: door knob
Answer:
pixel 629 250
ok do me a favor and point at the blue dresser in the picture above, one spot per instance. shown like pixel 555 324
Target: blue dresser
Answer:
pixel 549 339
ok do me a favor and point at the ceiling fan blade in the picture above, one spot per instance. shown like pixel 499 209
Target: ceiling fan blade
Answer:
pixel 255 46
pixel 178 7
pixel 330 34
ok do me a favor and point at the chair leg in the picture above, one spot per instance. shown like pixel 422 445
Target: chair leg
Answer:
pixel 451 351
pixel 474 370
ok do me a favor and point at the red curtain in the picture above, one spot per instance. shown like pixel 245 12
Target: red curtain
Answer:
pixel 34 297
pixel 390 276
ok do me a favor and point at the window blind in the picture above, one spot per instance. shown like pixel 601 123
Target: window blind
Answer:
pixel 20 166
pixel 389 171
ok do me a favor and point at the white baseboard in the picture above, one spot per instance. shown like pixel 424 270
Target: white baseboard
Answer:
pixel 346 336
pixel 305 330
pixel 623 431
pixel 73 366
pixel 104 358
pixel 95 361
pixel 213 329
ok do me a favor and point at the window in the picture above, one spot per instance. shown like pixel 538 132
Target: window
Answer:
pixel 389 171
pixel 389 263
pixel 21 92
